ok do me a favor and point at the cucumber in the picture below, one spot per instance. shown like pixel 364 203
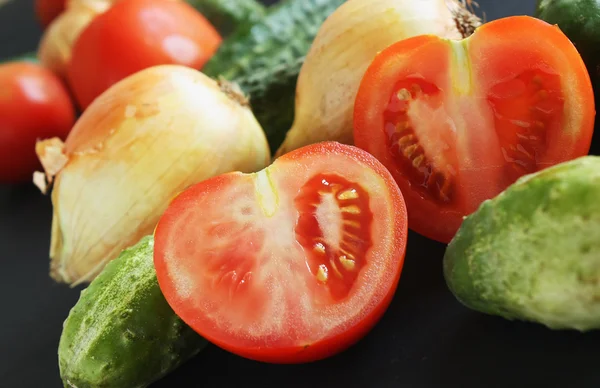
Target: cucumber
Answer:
pixel 265 60
pixel 27 57
pixel 229 15
pixel 272 91
pixel 533 252
pixel 122 332
pixel 579 20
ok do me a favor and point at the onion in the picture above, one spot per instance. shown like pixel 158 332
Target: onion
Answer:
pixel 58 40
pixel 140 143
pixel 345 45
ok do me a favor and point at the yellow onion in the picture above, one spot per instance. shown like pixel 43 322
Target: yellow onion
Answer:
pixel 345 45
pixel 57 42
pixel 139 144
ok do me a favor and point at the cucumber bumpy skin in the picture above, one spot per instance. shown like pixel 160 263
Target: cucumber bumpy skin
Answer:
pixel 122 332
pixel 229 15
pixel 533 252
pixel 271 52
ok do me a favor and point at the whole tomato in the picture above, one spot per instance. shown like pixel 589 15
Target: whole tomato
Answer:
pixel 48 10
pixel 34 104
pixel 136 34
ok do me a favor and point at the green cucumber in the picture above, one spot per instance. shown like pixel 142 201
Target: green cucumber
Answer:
pixel 265 60
pixel 229 15
pixel 579 20
pixel 122 332
pixel 26 57
pixel 533 252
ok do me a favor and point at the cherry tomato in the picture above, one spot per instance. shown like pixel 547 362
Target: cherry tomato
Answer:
pixel 34 104
pixel 456 122
pixel 292 264
pixel 136 34
pixel 47 10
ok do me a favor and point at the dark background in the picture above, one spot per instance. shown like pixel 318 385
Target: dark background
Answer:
pixel 426 338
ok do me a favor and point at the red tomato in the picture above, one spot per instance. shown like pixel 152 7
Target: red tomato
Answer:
pixel 48 10
pixel 136 34
pixel 456 122
pixel 34 104
pixel 292 264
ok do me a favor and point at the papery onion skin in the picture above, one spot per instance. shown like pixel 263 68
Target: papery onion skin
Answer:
pixel 343 49
pixel 139 144
pixel 54 51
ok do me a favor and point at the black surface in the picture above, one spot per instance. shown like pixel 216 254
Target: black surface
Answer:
pixel 426 339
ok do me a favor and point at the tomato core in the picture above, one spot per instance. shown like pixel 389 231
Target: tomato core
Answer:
pixel 428 164
pixel 334 228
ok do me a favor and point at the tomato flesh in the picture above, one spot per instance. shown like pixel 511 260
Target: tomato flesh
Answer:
pixel 526 109
pixel 292 264
pixel 456 122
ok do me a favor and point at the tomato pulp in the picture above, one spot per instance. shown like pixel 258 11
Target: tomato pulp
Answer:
pixel 291 264
pixel 456 122
pixel 134 35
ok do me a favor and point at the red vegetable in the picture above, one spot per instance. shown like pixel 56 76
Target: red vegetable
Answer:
pixel 34 104
pixel 292 264
pixel 456 122
pixel 47 10
pixel 136 34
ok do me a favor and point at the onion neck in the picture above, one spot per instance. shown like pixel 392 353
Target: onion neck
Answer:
pixel 464 16
pixel 234 92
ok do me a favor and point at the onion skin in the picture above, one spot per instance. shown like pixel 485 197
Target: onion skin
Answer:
pixel 140 143
pixel 342 51
pixel 56 45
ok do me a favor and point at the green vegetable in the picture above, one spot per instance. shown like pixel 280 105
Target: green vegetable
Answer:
pixel 27 57
pixel 533 252
pixel 579 20
pixel 265 60
pixel 122 333
pixel 229 15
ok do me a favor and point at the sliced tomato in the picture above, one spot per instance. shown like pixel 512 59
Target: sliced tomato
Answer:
pixel 456 122
pixel 291 264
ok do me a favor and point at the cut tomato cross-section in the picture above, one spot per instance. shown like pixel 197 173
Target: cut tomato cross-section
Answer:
pixel 290 264
pixel 456 122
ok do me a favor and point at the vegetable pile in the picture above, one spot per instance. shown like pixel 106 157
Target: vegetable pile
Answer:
pixel 223 172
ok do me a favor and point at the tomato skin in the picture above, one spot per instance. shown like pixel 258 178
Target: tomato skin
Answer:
pixel 136 34
pixel 275 347
pixel 504 124
pixel 34 104
pixel 47 10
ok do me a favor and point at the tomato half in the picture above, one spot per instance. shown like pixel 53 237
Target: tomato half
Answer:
pixel 48 10
pixel 134 35
pixel 34 104
pixel 456 122
pixel 291 264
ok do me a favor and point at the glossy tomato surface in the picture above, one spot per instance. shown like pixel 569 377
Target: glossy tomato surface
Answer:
pixel 292 264
pixel 34 104
pixel 456 122
pixel 136 34
pixel 47 10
